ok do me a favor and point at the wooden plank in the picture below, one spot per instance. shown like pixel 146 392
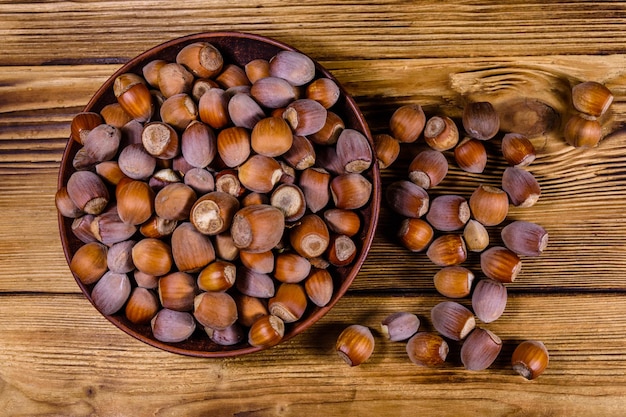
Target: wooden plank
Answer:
pixel 59 356
pixel 587 246
pixel 586 251
pixel 387 29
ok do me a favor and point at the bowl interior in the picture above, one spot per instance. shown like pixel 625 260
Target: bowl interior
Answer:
pixel 237 48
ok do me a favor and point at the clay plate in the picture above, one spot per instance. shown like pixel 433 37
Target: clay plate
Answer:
pixel 238 48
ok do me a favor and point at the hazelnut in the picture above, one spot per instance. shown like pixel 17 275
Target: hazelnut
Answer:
pixel 135 201
pixel 213 213
pixel 475 236
pixel 291 267
pixel 267 331
pixel 489 205
pixel 470 155
pixel 89 262
pixel 399 326
pixel 108 228
pixel 310 237
pixel 81 228
pixel 517 150
pixel 179 110
pixel 249 309
pixel 232 76
pixel 150 71
pixel 119 257
pixel 213 108
pixel 177 291
pixel 319 287
pixel 175 201
pixel 229 336
pixel 592 98
pixel 244 111
pixel 111 292
pixel 415 234
pixel 88 192
pixel 102 142
pixel 407 199
pixel 257 69
pixel 582 131
pixel 172 326
pixel 345 222
pixel 447 250
pixel 257 228
pixel 271 137
pixel 428 168
pixel 173 79
pixel 355 344
pixel 500 263
pixel 350 191
pixel 305 116
pixel 295 67
pixel 152 256
pixel 273 92
pixel 525 238
pixel 314 183
pixel 452 320
pixel 110 171
pixel 323 90
pixel 441 133
pixel 198 144
pixel 219 275
pixel 216 310
pixel 480 120
pixel 135 162
pixel 262 262
pixel 113 114
pixel 341 250
pixel 387 149
pixel 427 349
pixel 530 359
pixel 82 123
pixel 191 249
pixel 200 180
pixel 133 96
pixel 201 58
pixel 407 123
pixel 289 302
pixel 254 284
pixel 157 227
pixel 454 281
pixel 521 186
pixel 290 199
pixel 354 151
pixel 448 213
pixel 330 131
pixel 142 306
pixel 489 300
pixel 301 155
pixel 260 173
pixel 65 205
pixel 225 247
pixel 480 349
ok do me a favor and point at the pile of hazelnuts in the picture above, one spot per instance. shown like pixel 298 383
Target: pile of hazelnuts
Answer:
pixel 214 200
pixel 449 226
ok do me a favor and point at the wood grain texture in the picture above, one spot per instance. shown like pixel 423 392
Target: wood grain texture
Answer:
pixel 82 364
pixel 59 357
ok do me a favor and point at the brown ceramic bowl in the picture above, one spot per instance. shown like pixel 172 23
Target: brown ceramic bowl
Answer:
pixel 238 48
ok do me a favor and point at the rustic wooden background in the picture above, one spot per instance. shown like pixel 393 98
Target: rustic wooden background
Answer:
pixel 59 357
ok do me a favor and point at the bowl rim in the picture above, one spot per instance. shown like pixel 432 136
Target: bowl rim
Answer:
pixel 373 207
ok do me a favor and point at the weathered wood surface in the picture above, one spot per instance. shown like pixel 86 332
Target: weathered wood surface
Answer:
pixel 58 356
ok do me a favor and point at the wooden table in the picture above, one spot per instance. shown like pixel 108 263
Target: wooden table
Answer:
pixel 59 356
